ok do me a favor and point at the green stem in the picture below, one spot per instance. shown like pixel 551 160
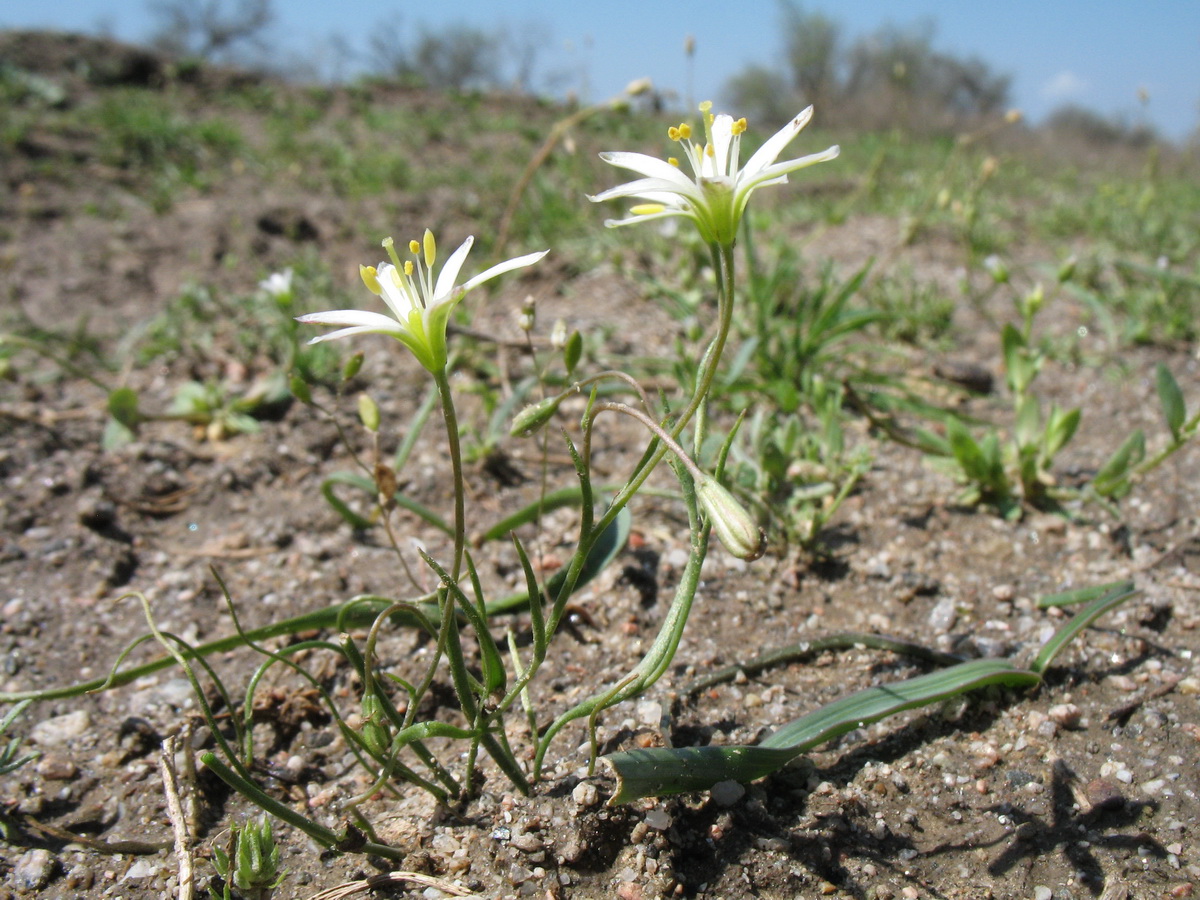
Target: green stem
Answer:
pixel 452 439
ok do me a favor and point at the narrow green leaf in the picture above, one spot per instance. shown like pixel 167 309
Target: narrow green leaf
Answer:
pixel 1171 397
pixel 1078 595
pixel 1111 599
pixel 1113 478
pixel 661 772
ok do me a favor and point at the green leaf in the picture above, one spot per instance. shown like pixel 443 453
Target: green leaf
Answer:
pixel 661 772
pixel 1029 421
pixel 123 406
pixel 1059 431
pixel 1113 478
pixel 1171 397
pixel 1016 359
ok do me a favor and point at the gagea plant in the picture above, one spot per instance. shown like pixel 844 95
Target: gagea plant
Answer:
pixel 477 690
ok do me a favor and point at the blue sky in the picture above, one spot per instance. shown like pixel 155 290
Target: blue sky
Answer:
pixel 1098 53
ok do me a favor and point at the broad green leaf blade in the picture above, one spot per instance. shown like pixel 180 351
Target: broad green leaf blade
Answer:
pixel 1171 397
pixel 661 771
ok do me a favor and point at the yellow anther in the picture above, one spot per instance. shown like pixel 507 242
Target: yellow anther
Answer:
pixel 709 151
pixel 408 266
pixel 673 161
pixel 685 130
pixel 414 248
pixel 430 249
pixel 673 133
pixel 370 279
pixel 740 126
pixel 647 209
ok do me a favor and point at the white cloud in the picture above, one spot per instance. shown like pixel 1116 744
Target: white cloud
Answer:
pixel 1066 85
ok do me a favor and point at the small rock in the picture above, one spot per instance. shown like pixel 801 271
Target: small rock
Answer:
pixel 1066 715
pixel 57 768
pixel 727 793
pixel 1122 682
pixel 630 890
pixel 527 843
pixel 1041 892
pixel 658 819
pixel 60 729
pixel 34 869
pixel 80 877
pixel 1102 794
pixel 142 868
pixel 585 794
pixel 942 616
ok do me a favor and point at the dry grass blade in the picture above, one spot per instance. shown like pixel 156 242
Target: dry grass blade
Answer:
pixel 375 882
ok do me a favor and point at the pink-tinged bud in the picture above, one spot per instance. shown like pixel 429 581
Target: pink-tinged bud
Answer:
pixel 730 520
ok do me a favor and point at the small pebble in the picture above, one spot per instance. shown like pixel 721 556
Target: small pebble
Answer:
pixel 658 819
pixel 585 794
pixel 1067 715
pixel 56 768
pixel 942 616
pixel 60 729
pixel 34 869
pixel 1041 892
pixel 727 793
pixel 1102 794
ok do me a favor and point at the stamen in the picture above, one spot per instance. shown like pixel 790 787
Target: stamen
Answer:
pixel 647 209
pixel 390 246
pixel 371 279
pixel 673 161
pixel 740 126
pixel 685 131
pixel 430 249
pixel 414 248
pixel 408 266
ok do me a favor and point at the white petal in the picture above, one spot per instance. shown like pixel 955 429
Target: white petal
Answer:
pixel 358 318
pixel 449 274
pixel 771 174
pixel 722 133
pixel 648 217
pixel 648 166
pixel 650 188
pixel 507 266
pixel 766 154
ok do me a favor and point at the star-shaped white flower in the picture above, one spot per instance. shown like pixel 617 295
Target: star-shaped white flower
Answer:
pixel 420 306
pixel 717 193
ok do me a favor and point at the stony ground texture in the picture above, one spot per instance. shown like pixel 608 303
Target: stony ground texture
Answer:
pixel 1084 788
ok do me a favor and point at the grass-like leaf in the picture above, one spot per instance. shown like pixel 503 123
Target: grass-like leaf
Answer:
pixel 663 771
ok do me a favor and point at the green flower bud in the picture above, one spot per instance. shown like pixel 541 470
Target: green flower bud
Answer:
pixel 730 520
pixel 368 412
pixel 534 416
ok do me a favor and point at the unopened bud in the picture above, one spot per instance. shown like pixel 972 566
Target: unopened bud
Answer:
pixel 368 412
pixel 558 334
pixel 1067 270
pixel 996 268
pixel 730 520
pixel 533 417
pixel 640 86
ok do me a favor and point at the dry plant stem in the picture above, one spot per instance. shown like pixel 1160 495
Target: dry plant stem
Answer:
pixel 179 820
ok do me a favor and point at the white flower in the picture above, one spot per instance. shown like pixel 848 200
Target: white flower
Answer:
pixel 717 194
pixel 277 284
pixel 420 306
